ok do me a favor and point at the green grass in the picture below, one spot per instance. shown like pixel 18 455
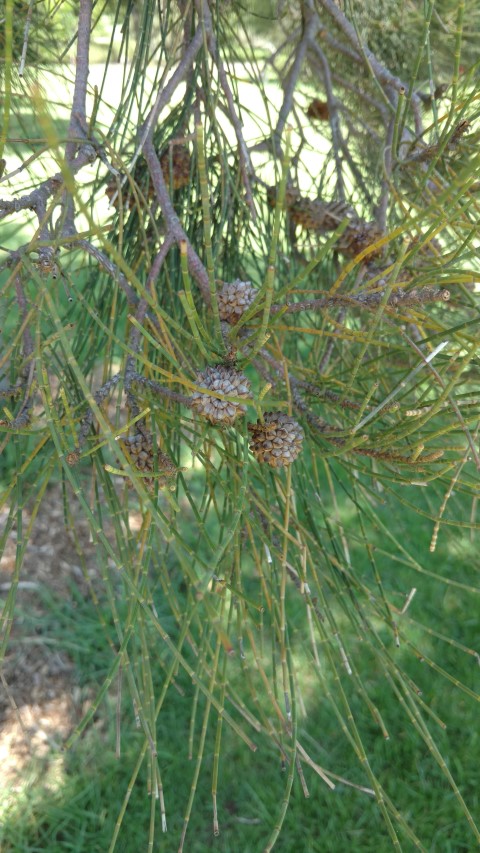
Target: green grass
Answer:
pixel 77 812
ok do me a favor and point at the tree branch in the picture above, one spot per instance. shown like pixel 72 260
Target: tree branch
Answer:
pixel 333 118
pixel 399 298
pixel 108 266
pixel 246 166
pixel 312 25
pixel 365 54
pixel 78 114
pixel 39 196
pixel 175 230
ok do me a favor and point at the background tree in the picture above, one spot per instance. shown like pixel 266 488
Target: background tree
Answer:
pixel 265 349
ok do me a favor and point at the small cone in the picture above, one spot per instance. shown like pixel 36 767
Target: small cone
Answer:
pixel 292 195
pixel 111 191
pixel 357 237
pixel 221 380
pixel 311 214
pixel 277 440
pixel 318 215
pixel 318 110
pixel 139 448
pixel 234 299
pixel 72 457
pixel 176 168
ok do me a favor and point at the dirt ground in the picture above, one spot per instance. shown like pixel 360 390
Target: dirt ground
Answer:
pixel 39 702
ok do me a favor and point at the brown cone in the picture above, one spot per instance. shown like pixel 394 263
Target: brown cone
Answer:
pixel 234 298
pixel 221 380
pixel 139 448
pixel 277 440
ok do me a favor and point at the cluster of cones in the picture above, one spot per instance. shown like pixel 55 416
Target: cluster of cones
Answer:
pixel 323 216
pixel 276 438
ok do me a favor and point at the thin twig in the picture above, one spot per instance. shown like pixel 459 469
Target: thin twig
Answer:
pixel 246 166
pixel 78 114
pixel 398 299
pixel 159 260
pixel 23 416
pixel 325 359
pixel 381 72
pixel 312 25
pixel 166 93
pixel 154 386
pixel 77 129
pixel 468 435
pixel 385 192
pixel 100 396
pixel 333 118
pixel 174 227
pixel 134 344
pixel 40 195
pixel 108 266
pixel 364 96
pixel 28 21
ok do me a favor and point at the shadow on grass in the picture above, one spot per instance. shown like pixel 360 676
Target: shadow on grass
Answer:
pixel 80 814
pixel 74 807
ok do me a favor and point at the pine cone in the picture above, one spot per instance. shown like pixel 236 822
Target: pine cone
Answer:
pixel 234 299
pixel 318 109
pixel 276 440
pixel 220 380
pixel 311 214
pixel 321 216
pixel 111 191
pixel 357 237
pixel 139 448
pixel 72 457
pixel 129 199
pixel 176 169
pixel 460 129
pixel 318 215
pixel 292 195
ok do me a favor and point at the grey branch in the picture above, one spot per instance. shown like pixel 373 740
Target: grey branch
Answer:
pixel 337 140
pixel 39 196
pixel 312 25
pixel 78 114
pixel 108 266
pixel 174 226
pixel 383 75
pixel 400 298
pixel 245 161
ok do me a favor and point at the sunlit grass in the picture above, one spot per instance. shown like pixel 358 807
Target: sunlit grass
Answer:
pixel 78 798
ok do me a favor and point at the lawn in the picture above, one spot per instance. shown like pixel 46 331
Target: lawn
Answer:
pixel 70 801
